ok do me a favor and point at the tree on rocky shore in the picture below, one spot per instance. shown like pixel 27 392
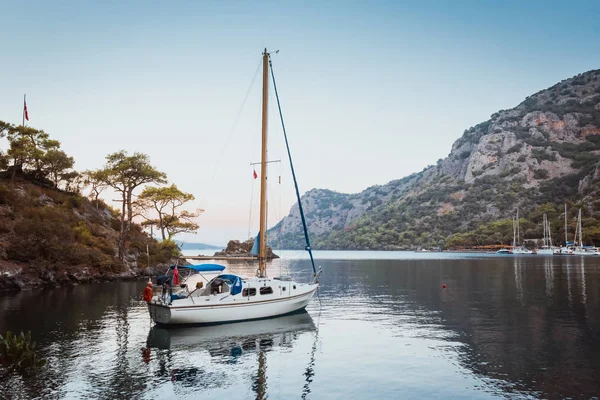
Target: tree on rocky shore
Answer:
pixel 124 173
pixel 162 207
pixel 32 151
pixel 96 181
pixel 56 162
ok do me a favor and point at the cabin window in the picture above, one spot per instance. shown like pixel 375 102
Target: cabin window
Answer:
pixel 249 292
pixel 283 288
pixel 294 287
pixel 266 290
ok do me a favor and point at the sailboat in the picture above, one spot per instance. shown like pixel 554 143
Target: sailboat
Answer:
pixel 579 249
pixel 547 248
pixel 517 248
pixel 565 250
pixel 229 297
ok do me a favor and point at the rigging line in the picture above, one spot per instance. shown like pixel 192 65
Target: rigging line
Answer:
pixel 312 261
pixel 235 122
pixel 279 213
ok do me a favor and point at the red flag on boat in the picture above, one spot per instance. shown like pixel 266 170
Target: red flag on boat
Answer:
pixel 175 276
pixel 25 109
pixel 255 174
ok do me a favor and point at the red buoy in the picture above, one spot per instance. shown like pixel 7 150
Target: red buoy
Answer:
pixel 443 286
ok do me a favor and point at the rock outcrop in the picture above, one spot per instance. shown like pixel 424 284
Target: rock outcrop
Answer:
pixel 235 248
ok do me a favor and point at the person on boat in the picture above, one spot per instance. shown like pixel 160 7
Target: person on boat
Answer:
pixel 175 276
pixel 148 293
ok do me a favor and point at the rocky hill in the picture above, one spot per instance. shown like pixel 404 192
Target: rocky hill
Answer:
pixel 536 156
pixel 50 237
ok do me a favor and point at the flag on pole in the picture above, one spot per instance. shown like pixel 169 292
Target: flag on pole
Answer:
pixel 255 174
pixel 25 113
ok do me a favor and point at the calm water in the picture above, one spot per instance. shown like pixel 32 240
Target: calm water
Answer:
pixel 505 327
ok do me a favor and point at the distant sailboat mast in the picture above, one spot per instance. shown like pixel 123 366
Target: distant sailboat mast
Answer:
pixel 518 230
pixel 545 239
pixel 566 237
pixel 514 233
pixel 548 230
pixel 580 229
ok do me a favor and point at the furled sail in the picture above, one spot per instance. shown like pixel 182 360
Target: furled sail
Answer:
pixel 255 246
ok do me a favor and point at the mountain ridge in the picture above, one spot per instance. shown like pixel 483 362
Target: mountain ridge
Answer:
pixel 544 150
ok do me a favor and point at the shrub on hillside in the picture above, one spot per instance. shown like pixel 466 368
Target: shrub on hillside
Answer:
pixel 540 174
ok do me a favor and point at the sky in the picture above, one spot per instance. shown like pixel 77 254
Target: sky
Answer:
pixel 370 91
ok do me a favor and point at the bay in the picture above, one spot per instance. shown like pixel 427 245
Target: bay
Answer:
pixel 382 327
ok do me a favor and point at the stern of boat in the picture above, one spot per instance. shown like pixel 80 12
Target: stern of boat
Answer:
pixel 159 313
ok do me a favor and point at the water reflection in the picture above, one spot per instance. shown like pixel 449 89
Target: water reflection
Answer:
pixel 228 344
pixel 548 277
pixel 503 327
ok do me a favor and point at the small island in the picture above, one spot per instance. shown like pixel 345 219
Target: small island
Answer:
pixel 235 248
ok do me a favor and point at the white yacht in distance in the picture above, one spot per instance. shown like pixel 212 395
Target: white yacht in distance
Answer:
pixel 565 250
pixel 547 248
pixel 228 297
pixel 518 249
pixel 580 249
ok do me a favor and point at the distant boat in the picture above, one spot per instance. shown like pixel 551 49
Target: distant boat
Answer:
pixel 504 251
pixel 582 250
pixel 565 250
pixel 518 249
pixel 547 248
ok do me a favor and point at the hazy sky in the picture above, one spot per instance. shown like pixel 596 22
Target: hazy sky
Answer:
pixel 371 91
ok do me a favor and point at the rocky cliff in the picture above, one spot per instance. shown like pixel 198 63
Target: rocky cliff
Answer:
pixel 538 155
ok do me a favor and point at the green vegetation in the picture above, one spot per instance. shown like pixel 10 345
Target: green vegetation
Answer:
pixel 47 225
pixel 124 174
pixel 515 149
pixel 161 207
pixel 17 353
pixel 32 152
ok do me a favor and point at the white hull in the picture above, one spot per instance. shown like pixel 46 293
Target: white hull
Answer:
pixel 583 252
pixel 546 252
pixel 223 307
pixel 518 250
pixel 563 251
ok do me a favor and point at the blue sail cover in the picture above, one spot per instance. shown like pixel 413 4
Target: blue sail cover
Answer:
pixel 203 267
pixel 237 286
pixel 254 250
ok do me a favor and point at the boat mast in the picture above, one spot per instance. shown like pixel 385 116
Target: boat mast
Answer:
pixel 514 233
pixel 544 241
pixel 566 237
pixel 262 238
pixel 549 234
pixel 580 229
pixel 518 230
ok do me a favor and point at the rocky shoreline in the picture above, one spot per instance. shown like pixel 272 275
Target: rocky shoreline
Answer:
pixel 16 277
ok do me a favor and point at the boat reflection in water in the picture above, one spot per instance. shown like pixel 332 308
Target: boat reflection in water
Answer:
pixel 228 344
